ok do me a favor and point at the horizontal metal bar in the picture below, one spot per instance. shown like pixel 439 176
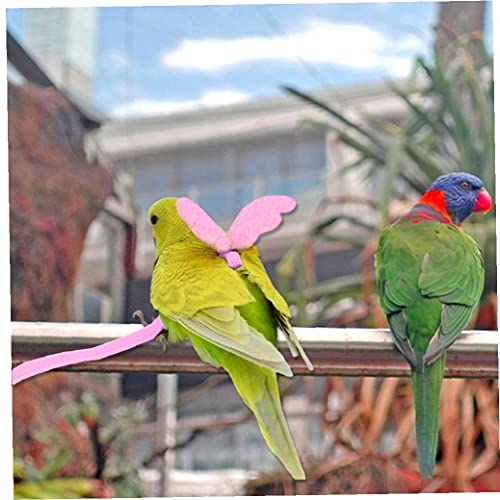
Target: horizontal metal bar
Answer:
pixel 333 351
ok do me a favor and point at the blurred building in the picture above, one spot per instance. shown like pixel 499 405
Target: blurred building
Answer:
pixel 64 41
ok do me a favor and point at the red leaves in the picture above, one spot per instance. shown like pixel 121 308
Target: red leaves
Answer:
pixel 54 196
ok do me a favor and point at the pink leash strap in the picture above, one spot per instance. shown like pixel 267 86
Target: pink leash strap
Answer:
pixel 60 359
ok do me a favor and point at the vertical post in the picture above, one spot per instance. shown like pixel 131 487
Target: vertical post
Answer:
pixel 116 265
pixel 166 403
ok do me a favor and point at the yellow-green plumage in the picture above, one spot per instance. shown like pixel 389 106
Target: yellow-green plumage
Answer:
pixel 230 317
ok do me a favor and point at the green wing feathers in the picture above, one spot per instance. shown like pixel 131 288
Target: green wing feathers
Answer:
pixel 257 274
pixel 232 333
pixel 430 265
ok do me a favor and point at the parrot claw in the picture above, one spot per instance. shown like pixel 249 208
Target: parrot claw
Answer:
pixel 161 337
pixel 138 314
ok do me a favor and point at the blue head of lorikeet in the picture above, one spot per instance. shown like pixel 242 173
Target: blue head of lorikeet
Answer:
pixel 455 196
pixel 430 277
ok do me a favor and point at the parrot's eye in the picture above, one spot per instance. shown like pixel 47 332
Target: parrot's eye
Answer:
pixel 154 219
pixel 465 185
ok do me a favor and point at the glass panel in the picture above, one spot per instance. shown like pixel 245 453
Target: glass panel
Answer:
pixel 243 194
pixel 292 185
pixel 288 155
pixel 275 185
pixel 300 184
pixel 223 202
pixel 218 202
pixel 196 172
pixel 260 162
pixel 148 179
pixel 307 155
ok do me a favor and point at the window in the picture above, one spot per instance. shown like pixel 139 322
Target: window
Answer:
pixel 243 194
pixel 200 171
pixel 218 202
pixel 224 201
pixel 258 162
pixel 282 157
pixel 291 186
pixel 307 154
pixel 154 178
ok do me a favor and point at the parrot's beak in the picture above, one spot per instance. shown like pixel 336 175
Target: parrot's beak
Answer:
pixel 483 202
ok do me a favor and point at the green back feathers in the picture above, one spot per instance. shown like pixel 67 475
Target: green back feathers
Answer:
pixel 432 272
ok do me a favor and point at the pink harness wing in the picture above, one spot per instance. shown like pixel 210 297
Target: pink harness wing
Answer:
pixel 202 225
pixel 52 361
pixel 258 217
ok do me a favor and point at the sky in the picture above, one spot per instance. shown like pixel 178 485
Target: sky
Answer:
pixel 155 60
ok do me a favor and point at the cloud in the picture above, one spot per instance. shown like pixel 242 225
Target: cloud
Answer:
pixel 150 107
pixel 354 46
pixel 115 59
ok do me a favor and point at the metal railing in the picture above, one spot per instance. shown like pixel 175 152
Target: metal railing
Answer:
pixel 333 351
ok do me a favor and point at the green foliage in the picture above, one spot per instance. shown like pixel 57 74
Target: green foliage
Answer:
pixel 55 488
pixel 31 482
pixel 448 126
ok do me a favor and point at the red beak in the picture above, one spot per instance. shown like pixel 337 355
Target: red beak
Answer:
pixel 483 202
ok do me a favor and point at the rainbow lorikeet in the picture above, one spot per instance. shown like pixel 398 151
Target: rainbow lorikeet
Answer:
pixel 230 315
pixel 430 277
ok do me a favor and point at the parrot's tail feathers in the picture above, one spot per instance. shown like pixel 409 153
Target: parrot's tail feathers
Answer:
pixel 258 387
pixel 274 428
pixel 427 380
pixel 293 341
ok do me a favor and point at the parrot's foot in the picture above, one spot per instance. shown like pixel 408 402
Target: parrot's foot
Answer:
pixel 163 339
pixel 138 314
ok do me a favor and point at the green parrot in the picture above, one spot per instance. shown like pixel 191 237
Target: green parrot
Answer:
pixel 430 277
pixel 231 318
